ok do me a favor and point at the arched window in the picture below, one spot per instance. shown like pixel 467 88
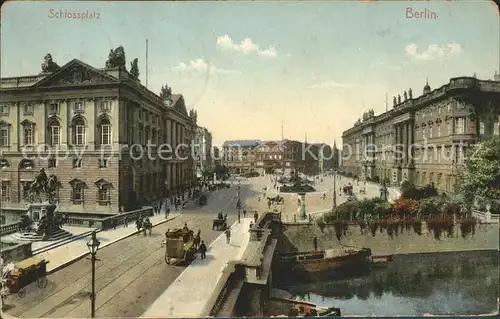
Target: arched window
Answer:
pixel 104 131
pixel 54 132
pixel 78 131
pixel 28 133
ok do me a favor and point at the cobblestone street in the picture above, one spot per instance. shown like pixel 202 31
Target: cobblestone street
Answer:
pixel 130 274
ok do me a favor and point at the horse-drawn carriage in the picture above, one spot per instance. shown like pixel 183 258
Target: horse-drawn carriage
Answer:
pixel 23 274
pixel 181 246
pixel 276 200
pixel 220 223
pixel 347 190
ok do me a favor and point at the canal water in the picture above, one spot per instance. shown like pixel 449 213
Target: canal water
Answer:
pixel 464 283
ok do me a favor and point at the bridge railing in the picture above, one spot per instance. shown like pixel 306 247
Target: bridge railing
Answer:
pixel 230 276
pixel 131 216
pixel 9 229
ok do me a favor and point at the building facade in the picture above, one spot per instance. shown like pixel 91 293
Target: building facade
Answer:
pixel 99 131
pixel 328 157
pixel 286 156
pixel 425 139
pixel 202 150
pixel 239 155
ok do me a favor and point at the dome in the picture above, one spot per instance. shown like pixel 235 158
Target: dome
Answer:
pixel 427 88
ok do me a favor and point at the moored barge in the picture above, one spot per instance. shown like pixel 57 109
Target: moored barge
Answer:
pixel 324 262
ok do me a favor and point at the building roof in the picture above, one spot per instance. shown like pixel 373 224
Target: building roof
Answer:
pixel 242 143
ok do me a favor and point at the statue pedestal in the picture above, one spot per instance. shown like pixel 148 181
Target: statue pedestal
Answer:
pixel 38 212
pixel 302 207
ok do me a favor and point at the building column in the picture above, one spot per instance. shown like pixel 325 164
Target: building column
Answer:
pixel 410 144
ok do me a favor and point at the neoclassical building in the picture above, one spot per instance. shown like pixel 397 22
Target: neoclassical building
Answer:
pixel 202 149
pixel 91 128
pixel 239 155
pixel 424 139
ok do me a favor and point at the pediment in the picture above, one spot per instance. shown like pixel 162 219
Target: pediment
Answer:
pixel 76 181
pixel 76 73
pixel 102 182
pixel 27 123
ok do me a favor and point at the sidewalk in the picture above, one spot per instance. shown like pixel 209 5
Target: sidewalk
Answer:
pixel 68 253
pixel 188 295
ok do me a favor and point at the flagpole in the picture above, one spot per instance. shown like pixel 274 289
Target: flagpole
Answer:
pixel 147 70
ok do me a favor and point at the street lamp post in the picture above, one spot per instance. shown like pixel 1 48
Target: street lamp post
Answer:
pixel 93 246
pixel 238 205
pixel 334 189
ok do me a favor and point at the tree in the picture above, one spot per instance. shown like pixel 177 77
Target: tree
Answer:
pixel 481 176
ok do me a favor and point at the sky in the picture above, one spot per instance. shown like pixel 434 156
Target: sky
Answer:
pixel 248 67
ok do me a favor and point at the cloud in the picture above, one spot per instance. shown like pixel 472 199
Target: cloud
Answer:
pixel 330 85
pixel 246 46
pixel 434 51
pixel 201 66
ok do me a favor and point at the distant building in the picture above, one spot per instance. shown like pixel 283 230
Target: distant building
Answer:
pixel 239 155
pixel 425 139
pixel 286 156
pixel 202 150
pixel 328 157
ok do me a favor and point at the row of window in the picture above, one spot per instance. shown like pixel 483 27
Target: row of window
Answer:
pixel 77 193
pixel 78 133
pixel 54 108
pixel 52 163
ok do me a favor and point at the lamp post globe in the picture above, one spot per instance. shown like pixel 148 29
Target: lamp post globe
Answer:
pixel 93 243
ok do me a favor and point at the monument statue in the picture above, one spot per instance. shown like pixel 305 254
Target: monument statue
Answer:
pixel 399 98
pixel 134 70
pixel 410 93
pixel 49 66
pixel 43 184
pixel 406 96
pixel 116 58
pixel 165 92
pixel 394 101
pixel 42 209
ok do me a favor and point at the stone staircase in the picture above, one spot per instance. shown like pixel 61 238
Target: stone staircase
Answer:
pixel 57 235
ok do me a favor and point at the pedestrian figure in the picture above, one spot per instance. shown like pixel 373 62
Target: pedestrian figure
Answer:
pixel 315 243
pixel 255 217
pixel 114 223
pixel 203 250
pixel 239 216
pixel 294 218
pixel 228 235
pixel 251 225
pixel 125 221
pixel 244 213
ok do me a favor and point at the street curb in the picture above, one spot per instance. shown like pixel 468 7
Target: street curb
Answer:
pixel 79 257
pixel 61 243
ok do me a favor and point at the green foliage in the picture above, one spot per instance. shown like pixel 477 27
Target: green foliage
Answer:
pixel 365 207
pixel 429 207
pixel 495 208
pixel 382 210
pixel 481 176
pixel 409 191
